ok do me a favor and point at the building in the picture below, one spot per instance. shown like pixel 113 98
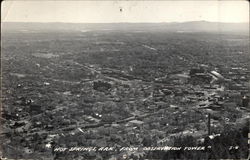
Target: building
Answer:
pixel 245 101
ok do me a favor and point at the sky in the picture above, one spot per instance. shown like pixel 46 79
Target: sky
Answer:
pixel 124 11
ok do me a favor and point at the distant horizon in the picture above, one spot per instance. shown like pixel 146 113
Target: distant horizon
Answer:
pixel 160 26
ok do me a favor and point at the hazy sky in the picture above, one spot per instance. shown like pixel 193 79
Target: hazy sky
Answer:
pixel 124 11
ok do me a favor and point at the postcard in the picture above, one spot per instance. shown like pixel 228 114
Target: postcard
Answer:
pixel 125 80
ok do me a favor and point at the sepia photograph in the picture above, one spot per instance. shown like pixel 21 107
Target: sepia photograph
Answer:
pixel 125 80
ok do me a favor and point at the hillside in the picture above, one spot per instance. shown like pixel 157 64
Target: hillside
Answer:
pixel 194 26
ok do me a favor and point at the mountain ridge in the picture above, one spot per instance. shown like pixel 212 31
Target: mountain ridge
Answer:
pixel 199 26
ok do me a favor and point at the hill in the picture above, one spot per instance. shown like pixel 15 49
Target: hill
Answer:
pixel 194 26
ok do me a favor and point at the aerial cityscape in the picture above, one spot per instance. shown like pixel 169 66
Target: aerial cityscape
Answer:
pixel 124 80
pixel 120 87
